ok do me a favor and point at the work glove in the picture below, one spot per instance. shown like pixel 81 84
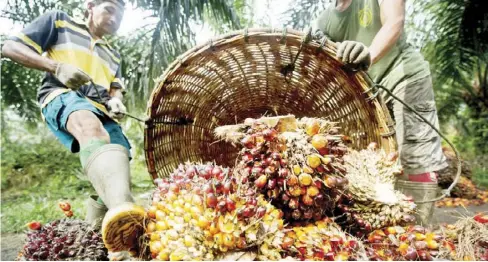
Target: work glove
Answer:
pixel 116 108
pixel 71 76
pixel 318 35
pixel 354 54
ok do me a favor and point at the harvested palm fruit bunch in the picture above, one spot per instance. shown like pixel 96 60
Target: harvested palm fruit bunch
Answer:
pixel 64 240
pixel 322 240
pixel 467 238
pixel 413 243
pixel 297 165
pixel 371 201
pixel 197 214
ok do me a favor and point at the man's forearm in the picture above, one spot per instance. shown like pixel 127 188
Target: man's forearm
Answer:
pixel 25 56
pixel 385 40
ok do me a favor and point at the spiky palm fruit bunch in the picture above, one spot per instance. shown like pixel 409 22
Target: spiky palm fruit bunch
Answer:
pixel 412 243
pixel 65 240
pixel 322 240
pixel 467 239
pixel 198 213
pixel 371 201
pixel 299 170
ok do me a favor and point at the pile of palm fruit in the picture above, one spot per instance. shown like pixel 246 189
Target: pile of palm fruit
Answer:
pixel 297 192
pixel 294 193
pixel 465 193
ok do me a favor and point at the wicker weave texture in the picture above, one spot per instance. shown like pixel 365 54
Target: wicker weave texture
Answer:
pixel 242 75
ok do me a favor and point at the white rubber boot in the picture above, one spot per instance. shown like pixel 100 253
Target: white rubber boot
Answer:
pixel 95 212
pixel 108 170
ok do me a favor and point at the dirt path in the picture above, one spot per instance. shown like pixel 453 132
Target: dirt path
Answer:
pixel 11 244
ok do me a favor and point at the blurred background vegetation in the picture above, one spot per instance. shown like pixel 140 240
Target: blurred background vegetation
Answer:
pixel 37 171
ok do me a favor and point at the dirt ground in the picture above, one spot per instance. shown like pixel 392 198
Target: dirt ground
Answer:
pixel 11 244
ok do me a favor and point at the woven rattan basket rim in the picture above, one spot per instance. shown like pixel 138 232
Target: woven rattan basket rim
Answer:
pixel 384 121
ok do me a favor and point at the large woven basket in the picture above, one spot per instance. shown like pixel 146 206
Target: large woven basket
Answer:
pixel 252 73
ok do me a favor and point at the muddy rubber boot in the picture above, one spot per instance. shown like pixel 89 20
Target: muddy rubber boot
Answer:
pixel 95 212
pixel 420 191
pixel 108 170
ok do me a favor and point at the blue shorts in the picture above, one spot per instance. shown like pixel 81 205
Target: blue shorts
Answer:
pixel 56 114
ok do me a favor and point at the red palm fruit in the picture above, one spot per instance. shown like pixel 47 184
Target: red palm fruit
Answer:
pixel 221 206
pixel 68 213
pixel 307 200
pixel 308 214
pixel 319 254
pixel 267 161
pixel 285 198
pixel 270 170
pixel 174 188
pixel 261 181
pixel 329 256
pixel 248 212
pixel 293 204
pixel 247 157
pixel 34 225
pixel 292 180
pixel 276 156
pixel 227 187
pixel 271 184
pixel 287 243
pixel 252 202
pixel 269 134
pixel 211 200
pixel 207 188
pixel 318 184
pixel 230 204
pixel 283 173
pixel 280 182
pixel 296 214
pixel 64 205
pixel 260 212
pixel 283 163
pixel 248 142
pixel 257 170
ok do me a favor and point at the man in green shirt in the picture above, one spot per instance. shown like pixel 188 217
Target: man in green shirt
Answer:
pixel 372 38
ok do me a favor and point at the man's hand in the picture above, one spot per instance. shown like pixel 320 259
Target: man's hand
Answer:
pixel 71 76
pixel 116 108
pixel 354 54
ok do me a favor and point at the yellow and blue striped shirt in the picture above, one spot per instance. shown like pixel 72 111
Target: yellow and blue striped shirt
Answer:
pixel 66 40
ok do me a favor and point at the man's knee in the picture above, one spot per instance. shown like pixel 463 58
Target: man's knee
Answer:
pixel 85 125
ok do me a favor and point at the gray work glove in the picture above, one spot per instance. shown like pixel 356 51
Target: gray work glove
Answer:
pixel 354 54
pixel 116 108
pixel 71 76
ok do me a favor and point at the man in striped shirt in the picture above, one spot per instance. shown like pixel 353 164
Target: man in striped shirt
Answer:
pixel 80 99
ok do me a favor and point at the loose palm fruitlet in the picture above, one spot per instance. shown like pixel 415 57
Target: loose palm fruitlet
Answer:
pixel 322 241
pixel 371 202
pixel 412 243
pixel 198 214
pixel 299 170
pixel 65 240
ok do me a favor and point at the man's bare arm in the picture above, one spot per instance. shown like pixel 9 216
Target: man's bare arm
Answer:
pixel 392 19
pixel 25 56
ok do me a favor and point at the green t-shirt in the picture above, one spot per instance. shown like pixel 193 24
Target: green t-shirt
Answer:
pixel 360 22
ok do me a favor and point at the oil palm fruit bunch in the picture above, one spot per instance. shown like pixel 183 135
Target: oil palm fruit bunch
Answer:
pixel 412 243
pixel 371 201
pixel 294 170
pixel 322 240
pixel 198 214
pixel 465 188
pixel 64 240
